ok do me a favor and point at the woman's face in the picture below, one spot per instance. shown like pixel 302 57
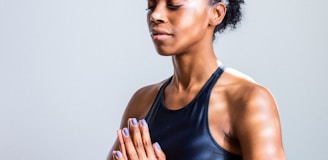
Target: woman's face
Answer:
pixel 178 26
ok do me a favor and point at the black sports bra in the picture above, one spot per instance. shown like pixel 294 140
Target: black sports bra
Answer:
pixel 184 134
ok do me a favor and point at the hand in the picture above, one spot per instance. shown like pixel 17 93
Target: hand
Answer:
pixel 135 143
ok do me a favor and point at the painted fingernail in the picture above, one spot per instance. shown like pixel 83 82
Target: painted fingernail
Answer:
pixel 143 122
pixel 134 122
pixel 118 154
pixel 158 146
pixel 126 132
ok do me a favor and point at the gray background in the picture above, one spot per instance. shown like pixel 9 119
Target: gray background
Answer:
pixel 69 67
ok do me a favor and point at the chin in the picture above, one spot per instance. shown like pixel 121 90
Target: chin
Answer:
pixel 165 51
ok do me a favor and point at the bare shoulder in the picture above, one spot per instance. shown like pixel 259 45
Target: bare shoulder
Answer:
pixel 256 122
pixel 247 97
pixel 141 102
pixel 244 89
pixel 138 107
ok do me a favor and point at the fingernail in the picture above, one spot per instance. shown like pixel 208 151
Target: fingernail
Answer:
pixel 143 122
pixel 158 146
pixel 118 154
pixel 126 132
pixel 134 122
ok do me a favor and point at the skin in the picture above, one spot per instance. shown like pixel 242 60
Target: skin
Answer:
pixel 138 144
pixel 243 115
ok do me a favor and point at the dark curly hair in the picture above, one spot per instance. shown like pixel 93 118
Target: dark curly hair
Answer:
pixel 232 17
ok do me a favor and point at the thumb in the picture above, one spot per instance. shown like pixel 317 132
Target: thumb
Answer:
pixel 160 155
pixel 117 155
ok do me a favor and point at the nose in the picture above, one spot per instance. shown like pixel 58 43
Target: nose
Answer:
pixel 157 14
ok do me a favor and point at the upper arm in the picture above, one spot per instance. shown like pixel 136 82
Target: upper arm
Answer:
pixel 139 104
pixel 137 107
pixel 258 127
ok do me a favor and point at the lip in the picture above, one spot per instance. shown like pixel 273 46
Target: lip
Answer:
pixel 160 34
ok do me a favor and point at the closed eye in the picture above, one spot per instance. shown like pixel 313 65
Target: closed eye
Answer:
pixel 170 7
pixel 173 7
pixel 150 8
pixel 151 5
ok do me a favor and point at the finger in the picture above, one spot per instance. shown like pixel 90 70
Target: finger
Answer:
pixel 146 139
pixel 136 138
pixel 129 146
pixel 121 143
pixel 160 155
pixel 117 155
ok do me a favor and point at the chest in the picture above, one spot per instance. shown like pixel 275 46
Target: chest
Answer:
pixel 185 133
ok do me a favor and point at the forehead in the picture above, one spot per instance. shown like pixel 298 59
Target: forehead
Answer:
pixel 175 0
pixel 182 1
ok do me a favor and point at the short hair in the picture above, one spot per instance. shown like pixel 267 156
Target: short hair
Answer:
pixel 233 15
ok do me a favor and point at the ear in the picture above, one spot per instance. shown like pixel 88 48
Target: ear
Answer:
pixel 217 13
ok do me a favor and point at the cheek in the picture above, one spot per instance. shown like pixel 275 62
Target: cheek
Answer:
pixel 190 23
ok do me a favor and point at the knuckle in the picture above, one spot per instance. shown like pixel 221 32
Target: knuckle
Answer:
pixel 131 155
pixel 138 145
pixel 146 143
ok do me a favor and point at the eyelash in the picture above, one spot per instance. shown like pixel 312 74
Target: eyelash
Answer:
pixel 170 7
pixel 173 7
pixel 150 8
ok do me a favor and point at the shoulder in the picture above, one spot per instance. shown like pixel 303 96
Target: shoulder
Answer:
pixel 246 96
pixel 243 89
pixel 138 106
pixel 256 122
pixel 141 102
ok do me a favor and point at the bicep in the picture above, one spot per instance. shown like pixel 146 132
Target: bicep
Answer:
pixel 137 107
pixel 259 130
pixel 129 112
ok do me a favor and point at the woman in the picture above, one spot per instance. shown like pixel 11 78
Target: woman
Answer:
pixel 204 111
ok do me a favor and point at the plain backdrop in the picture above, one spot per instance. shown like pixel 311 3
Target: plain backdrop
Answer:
pixel 69 67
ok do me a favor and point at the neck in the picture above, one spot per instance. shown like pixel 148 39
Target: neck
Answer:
pixel 193 68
